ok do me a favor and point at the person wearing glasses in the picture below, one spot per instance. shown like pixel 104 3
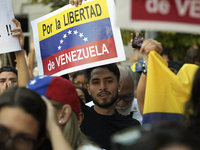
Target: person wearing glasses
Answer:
pixel 79 79
pixel 9 76
pixel 102 121
pixel 22 119
pixel 127 102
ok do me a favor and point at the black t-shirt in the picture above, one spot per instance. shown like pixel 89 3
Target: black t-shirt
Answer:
pixel 99 128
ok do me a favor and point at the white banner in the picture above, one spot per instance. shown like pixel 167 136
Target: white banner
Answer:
pixel 159 15
pixel 7 42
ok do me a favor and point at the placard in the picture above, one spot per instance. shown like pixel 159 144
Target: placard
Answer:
pixel 75 38
pixel 159 15
pixel 8 43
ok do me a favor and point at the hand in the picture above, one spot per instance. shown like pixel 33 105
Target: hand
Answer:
pixel 17 32
pixel 51 115
pixel 150 45
pixel 3 87
pixel 75 2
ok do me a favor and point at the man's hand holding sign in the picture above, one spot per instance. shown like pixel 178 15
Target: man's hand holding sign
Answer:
pixel 6 26
pixel 12 40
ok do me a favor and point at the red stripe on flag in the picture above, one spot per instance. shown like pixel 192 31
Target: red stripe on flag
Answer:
pixel 80 55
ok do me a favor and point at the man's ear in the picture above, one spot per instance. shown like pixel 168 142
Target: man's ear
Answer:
pixel 64 114
pixel 88 88
pixel 80 118
pixel 119 85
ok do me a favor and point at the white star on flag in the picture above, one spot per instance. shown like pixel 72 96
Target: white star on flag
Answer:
pixel 33 82
pixel 59 47
pixel 69 32
pixel 64 36
pixel 81 35
pixel 61 41
pixel 85 39
pixel 75 32
pixel 41 77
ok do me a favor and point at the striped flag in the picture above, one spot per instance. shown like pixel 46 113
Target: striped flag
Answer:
pixel 166 93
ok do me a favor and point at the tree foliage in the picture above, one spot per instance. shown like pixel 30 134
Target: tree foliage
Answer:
pixel 178 43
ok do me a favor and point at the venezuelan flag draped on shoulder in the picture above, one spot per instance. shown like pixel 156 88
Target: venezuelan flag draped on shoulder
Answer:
pixel 166 92
pixel 75 38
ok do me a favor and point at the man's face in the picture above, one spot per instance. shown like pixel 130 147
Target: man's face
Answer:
pixel 103 87
pixel 125 97
pixel 81 81
pixel 7 79
pixel 81 95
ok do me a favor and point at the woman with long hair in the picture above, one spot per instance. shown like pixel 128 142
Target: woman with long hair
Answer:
pixel 22 119
pixel 63 96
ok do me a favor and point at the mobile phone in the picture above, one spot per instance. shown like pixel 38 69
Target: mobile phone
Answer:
pixel 138 38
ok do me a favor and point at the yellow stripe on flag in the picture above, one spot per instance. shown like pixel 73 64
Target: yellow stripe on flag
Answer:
pixel 167 92
pixel 88 12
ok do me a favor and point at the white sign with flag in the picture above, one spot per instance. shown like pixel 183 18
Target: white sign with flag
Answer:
pixel 75 38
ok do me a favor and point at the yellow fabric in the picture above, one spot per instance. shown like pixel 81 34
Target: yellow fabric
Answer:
pixel 167 92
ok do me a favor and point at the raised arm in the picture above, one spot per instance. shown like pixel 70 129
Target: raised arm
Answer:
pixel 147 46
pixel 23 72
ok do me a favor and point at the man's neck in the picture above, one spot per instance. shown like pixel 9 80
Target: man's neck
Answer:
pixel 105 111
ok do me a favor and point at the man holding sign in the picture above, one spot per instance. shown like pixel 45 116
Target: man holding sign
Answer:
pixel 9 76
pixel 77 38
pixel 12 40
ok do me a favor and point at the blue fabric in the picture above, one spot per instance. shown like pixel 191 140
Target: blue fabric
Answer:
pixel 40 87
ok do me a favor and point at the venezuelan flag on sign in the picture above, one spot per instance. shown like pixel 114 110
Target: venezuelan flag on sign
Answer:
pixel 77 36
pixel 166 92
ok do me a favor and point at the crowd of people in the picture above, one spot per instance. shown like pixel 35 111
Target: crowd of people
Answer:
pixel 107 107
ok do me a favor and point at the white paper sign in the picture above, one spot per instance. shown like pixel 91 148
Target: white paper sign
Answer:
pixel 75 38
pixel 7 42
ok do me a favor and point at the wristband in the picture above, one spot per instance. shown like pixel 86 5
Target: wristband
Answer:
pixel 144 68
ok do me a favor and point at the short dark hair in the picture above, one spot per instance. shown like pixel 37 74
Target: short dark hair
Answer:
pixel 81 72
pixel 66 76
pixel 111 67
pixel 27 100
pixel 8 68
pixel 192 56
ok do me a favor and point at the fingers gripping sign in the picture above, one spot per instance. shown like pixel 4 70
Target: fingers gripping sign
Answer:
pixel 17 32
pixel 76 2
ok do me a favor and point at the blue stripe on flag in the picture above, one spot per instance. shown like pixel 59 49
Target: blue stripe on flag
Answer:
pixel 78 35
pixel 151 118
